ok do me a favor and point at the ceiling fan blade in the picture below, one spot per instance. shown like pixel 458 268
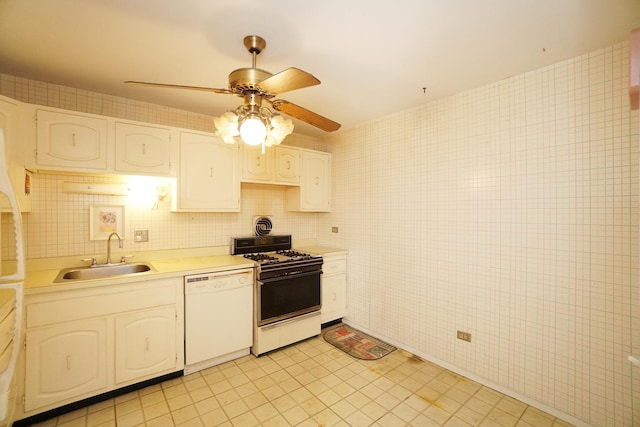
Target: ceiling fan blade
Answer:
pixel 288 80
pixel 305 115
pixel 164 85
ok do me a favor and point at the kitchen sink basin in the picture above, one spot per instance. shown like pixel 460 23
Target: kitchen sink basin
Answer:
pixel 101 272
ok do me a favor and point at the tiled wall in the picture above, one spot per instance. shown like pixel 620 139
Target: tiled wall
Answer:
pixel 59 222
pixel 511 212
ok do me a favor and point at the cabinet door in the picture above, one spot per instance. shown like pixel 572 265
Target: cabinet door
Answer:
pixel 14 151
pixel 287 164
pixel 333 297
pixel 142 149
pixel 71 140
pixel 66 362
pixel 209 178
pixel 314 193
pixel 145 344
pixel 256 165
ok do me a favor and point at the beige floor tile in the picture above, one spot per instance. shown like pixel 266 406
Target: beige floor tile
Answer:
pixel 156 410
pixel 359 419
pixel 265 412
pixel 312 384
pixel 184 414
pixel 163 421
pixel 537 417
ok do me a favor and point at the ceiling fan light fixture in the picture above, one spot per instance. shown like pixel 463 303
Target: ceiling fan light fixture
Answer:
pixel 280 128
pixel 227 127
pixel 253 130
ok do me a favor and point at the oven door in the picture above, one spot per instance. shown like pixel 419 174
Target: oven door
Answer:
pixel 285 297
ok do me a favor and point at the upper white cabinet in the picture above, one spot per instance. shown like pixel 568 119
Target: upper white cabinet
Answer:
pixel 14 153
pixel 287 165
pixel 314 192
pixel 256 165
pixel 71 141
pixel 142 149
pixel 76 141
pixel 277 165
pixel 209 179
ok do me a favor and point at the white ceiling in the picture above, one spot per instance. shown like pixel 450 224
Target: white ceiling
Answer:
pixel 373 57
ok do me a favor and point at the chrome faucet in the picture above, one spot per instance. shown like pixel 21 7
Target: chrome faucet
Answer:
pixel 109 245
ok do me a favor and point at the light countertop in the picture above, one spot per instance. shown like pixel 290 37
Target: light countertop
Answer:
pixel 321 250
pixel 42 281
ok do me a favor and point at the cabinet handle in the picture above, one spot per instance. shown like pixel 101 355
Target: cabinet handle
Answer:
pixel 258 161
pixel 68 362
pixel 288 165
pixel 333 296
pixel 144 149
pixel 73 139
pixel 146 344
pixel 211 173
pixel 317 181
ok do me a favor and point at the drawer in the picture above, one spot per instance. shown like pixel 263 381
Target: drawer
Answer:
pixel 334 266
pixel 64 310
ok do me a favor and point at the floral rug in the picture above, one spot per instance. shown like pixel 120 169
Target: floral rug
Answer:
pixel 356 343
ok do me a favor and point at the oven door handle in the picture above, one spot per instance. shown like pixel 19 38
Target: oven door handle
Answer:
pixel 288 275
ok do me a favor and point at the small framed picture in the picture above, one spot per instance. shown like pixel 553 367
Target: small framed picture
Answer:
pixel 104 220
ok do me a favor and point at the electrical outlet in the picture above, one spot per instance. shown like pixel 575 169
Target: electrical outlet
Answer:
pixel 464 336
pixel 334 229
pixel 140 235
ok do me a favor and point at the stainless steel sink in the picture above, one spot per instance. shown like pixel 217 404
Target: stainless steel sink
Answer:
pixel 101 272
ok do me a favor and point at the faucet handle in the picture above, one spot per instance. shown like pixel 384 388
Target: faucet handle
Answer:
pixel 124 257
pixel 93 260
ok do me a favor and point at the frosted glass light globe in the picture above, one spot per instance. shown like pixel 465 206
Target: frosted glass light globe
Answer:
pixel 253 131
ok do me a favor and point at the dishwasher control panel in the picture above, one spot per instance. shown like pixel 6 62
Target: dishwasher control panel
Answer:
pixel 220 281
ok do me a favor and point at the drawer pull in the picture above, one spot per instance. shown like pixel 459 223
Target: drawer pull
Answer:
pixel 68 362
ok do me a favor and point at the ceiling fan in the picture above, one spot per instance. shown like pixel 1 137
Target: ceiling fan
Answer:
pixel 257 85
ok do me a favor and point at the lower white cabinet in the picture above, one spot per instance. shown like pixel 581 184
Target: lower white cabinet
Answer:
pixel 143 346
pixel 65 361
pixel 85 342
pixel 334 287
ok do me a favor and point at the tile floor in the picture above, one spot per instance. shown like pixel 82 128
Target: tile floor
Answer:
pixel 313 384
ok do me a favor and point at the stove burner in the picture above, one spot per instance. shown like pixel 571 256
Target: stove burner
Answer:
pixel 260 257
pixel 294 254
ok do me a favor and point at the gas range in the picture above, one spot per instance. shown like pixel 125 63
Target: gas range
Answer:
pixel 274 256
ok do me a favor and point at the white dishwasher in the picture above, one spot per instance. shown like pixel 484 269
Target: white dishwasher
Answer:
pixel 218 309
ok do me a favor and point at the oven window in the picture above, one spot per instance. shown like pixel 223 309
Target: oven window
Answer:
pixel 287 297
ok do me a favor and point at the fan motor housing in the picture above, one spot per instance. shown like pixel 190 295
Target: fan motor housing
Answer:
pixel 247 79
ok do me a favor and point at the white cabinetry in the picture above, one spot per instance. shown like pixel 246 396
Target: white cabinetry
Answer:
pixel 314 192
pixel 287 165
pixel 334 287
pixel 256 165
pixel 143 346
pixel 14 151
pixel 84 342
pixel 209 178
pixel 142 149
pixel 65 140
pixel 277 165
pixel 66 361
